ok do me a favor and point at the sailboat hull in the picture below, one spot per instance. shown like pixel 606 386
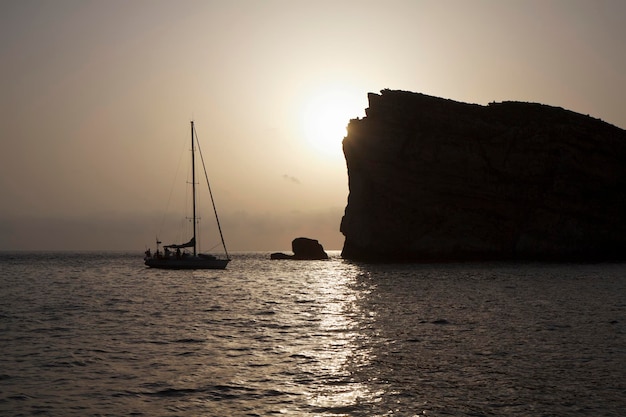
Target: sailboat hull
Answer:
pixel 190 262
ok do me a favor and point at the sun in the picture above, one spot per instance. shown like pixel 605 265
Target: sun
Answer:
pixel 324 116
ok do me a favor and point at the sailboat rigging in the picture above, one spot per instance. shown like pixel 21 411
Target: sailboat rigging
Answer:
pixel 166 259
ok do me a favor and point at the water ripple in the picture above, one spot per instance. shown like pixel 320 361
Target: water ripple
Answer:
pixel 98 334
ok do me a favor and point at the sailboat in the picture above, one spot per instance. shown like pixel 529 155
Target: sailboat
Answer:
pixel 171 257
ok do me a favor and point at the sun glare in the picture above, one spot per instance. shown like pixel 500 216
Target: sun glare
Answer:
pixel 325 116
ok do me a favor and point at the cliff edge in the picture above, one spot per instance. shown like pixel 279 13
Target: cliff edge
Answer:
pixel 433 179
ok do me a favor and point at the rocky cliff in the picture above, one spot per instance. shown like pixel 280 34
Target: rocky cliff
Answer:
pixel 437 180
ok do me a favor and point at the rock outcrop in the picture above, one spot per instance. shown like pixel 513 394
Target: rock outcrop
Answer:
pixel 303 249
pixel 437 180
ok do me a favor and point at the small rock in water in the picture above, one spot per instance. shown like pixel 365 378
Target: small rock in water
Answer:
pixel 303 249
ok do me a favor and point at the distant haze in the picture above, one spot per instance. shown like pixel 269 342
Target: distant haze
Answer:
pixel 97 97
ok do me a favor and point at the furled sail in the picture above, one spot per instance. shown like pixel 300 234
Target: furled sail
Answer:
pixel 189 244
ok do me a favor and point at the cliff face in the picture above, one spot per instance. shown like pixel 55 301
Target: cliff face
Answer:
pixel 437 180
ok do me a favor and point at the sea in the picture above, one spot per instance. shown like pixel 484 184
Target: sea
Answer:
pixel 99 334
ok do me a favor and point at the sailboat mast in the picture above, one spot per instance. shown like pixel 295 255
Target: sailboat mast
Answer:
pixel 193 189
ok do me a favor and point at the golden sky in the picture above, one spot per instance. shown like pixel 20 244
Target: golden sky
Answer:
pixel 97 97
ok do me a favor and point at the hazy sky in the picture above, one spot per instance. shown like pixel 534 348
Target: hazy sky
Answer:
pixel 97 97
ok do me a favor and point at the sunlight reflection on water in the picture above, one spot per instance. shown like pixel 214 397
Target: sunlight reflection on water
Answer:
pixel 339 348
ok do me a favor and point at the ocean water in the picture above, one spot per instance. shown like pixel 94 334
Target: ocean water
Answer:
pixel 100 335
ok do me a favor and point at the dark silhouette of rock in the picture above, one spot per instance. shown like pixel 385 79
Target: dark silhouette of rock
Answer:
pixel 437 180
pixel 303 249
pixel 280 255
